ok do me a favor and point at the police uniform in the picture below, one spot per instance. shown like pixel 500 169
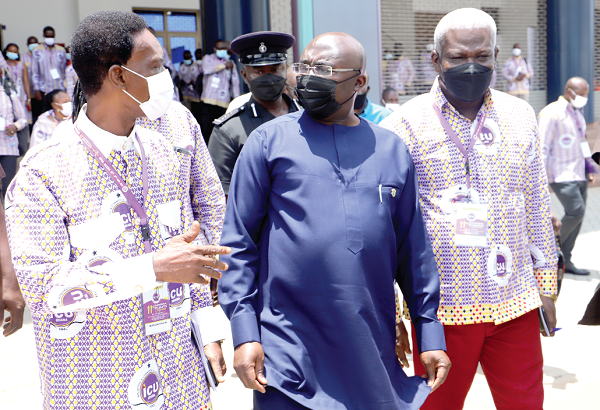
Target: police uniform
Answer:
pixel 232 129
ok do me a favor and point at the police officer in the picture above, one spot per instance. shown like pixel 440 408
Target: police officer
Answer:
pixel 263 55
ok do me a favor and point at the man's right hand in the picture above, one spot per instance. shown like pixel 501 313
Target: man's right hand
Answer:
pixel 229 65
pixel 182 262
pixel 249 364
pixel 520 77
pixel 38 95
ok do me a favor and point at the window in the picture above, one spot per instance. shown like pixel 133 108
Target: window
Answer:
pixel 175 30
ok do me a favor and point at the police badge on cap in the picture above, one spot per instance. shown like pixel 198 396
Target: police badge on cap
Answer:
pixel 262 48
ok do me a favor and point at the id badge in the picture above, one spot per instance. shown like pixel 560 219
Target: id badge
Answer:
pixel 471 225
pixel 2 124
pixel 585 150
pixel 215 81
pixel 157 316
pixel 54 74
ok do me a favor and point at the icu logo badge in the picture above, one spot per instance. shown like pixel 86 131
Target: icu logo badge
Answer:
pixel 74 295
pixel 66 325
pixel 566 141
pixel 455 195
pixel 179 299
pixel 115 203
pixel 471 217
pixel 537 256
pixel 489 139
pixel 500 264
pixel 176 293
pixel 144 391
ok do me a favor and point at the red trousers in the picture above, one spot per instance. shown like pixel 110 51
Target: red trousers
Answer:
pixel 510 355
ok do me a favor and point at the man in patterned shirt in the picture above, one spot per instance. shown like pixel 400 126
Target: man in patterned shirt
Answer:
pixel 96 224
pixel 484 195
pixel 568 161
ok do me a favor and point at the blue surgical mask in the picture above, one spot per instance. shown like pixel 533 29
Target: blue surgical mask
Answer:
pixel 221 53
pixel 68 55
pixel 32 46
pixel 187 62
pixel 12 56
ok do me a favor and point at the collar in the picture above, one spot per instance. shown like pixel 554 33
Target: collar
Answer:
pixel 104 140
pixel 442 102
pixel 258 108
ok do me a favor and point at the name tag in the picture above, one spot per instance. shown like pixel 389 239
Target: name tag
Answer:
pixel 471 225
pixel 215 81
pixel 2 124
pixel 585 150
pixel 54 73
pixel 156 310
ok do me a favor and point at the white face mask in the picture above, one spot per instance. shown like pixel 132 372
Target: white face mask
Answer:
pixel 389 56
pixel 579 102
pixel 66 109
pixel 49 41
pixel 160 88
pixel 32 46
pixel 516 52
pixel 392 106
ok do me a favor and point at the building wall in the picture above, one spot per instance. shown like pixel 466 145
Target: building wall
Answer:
pixel 64 15
pixel 280 18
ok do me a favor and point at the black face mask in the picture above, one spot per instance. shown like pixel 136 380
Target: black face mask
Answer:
pixel 317 95
pixel 268 87
pixel 468 82
pixel 361 99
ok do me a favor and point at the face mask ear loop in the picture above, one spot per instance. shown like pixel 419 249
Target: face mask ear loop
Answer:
pixel 134 99
pixel 139 75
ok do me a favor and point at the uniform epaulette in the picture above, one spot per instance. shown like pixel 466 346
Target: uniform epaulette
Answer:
pixel 227 116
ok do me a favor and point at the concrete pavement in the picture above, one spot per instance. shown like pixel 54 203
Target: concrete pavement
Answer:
pixel 571 378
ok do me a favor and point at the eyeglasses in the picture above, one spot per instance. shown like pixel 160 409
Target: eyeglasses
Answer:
pixel 320 70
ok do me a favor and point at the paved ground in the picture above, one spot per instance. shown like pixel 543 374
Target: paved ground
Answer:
pixel 571 378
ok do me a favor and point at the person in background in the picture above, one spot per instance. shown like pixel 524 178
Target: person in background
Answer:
pixel 400 72
pixel 427 74
pixel 567 157
pixel 3 63
pixel 290 86
pixel 11 298
pixel 189 71
pixel 167 62
pixel 19 72
pixel 27 58
pixel 518 72
pixel 318 331
pixel 70 74
pixel 198 55
pixel 220 82
pixel 486 205
pixel 390 96
pixel 263 57
pixel 363 107
pixel 48 70
pixel 12 120
pixel 58 108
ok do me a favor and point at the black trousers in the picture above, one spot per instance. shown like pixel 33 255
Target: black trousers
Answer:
pixel 195 109
pixel 37 108
pixel 572 195
pixel 209 113
pixel 273 399
pixel 9 164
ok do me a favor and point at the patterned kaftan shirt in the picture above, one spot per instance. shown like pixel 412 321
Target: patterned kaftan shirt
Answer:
pixel 44 61
pixel 399 73
pixel 218 81
pixel 12 111
pixel 188 75
pixel 562 130
pixel 44 127
pixel 512 68
pixel 73 237
pixel 70 80
pixel 502 281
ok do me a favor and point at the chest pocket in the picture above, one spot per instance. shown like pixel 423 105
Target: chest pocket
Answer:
pixel 389 197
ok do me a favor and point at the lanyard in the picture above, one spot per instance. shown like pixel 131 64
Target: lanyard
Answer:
pixel 572 113
pixel 456 139
pixel 112 173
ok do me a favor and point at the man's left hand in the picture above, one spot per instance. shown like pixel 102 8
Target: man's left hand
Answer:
pixel 437 364
pixel 402 344
pixel 12 300
pixel 591 178
pixel 550 309
pixel 11 130
pixel 214 353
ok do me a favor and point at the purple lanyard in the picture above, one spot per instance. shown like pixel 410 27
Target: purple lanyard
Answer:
pixel 456 139
pixel 112 173
pixel 572 113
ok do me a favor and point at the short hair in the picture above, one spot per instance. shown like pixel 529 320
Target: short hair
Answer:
pixel 467 18
pixel 219 41
pixel 387 91
pixel 49 99
pixel 100 41
pixel 48 28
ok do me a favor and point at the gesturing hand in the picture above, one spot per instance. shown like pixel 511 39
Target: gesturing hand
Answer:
pixel 182 262
pixel 249 364
pixel 437 364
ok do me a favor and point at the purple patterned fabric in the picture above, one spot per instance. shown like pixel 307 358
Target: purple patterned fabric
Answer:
pixel 499 282
pixel 218 81
pixel 70 80
pixel 512 68
pixel 12 111
pixel 44 61
pixel 399 74
pixel 188 75
pixel 73 237
pixel 43 128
